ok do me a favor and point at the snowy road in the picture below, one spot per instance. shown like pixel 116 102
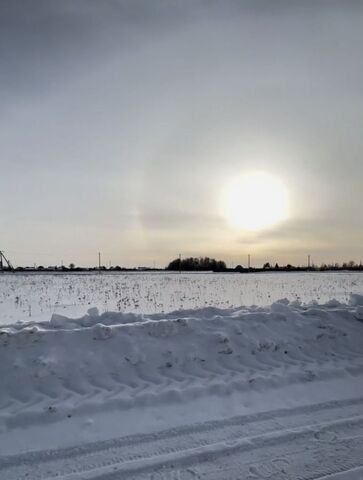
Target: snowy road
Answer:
pixel 307 442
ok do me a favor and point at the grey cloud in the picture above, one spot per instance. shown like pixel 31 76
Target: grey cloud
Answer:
pixel 140 111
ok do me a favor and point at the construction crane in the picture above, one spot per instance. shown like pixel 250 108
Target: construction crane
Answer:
pixel 3 261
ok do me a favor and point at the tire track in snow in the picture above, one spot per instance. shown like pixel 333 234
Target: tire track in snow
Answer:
pixel 191 356
pixel 204 445
pixel 283 455
pixel 144 394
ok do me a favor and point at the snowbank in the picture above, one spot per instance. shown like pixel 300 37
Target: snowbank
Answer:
pixel 52 370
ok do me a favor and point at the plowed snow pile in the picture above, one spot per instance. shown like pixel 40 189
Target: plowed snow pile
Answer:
pixel 209 393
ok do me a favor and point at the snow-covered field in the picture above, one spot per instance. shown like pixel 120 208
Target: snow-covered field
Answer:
pixel 272 391
pixel 37 296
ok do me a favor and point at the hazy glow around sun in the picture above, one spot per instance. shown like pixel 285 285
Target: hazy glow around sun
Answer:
pixel 255 201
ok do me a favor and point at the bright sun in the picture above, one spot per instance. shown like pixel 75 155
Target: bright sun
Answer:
pixel 255 201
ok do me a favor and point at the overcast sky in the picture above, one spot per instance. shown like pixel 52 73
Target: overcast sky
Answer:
pixel 121 121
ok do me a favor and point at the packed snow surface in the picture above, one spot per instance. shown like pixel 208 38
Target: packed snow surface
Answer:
pixel 25 297
pixel 240 393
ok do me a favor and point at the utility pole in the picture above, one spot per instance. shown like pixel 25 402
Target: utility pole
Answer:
pixel 99 260
pixel 249 261
pixel 309 262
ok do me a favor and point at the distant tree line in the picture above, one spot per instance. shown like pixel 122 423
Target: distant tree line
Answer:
pixel 197 264
pixel 351 265
pixel 72 268
pixel 210 264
